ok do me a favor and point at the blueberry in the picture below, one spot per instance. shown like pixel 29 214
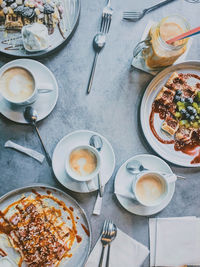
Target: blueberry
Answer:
pixel 28 12
pixel 9 1
pixel 18 10
pixel 187 115
pixel 190 109
pixel 178 92
pixel 177 98
pixel 183 111
pixel 192 118
pixel 48 9
pixel 189 100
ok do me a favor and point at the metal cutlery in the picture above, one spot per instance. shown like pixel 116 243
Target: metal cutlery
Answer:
pixel 30 116
pixel 135 16
pixel 135 167
pixel 108 235
pixel 99 40
pixel 113 235
pixel 97 143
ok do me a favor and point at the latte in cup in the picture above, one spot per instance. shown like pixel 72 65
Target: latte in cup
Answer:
pixel 150 188
pixel 83 162
pixel 17 84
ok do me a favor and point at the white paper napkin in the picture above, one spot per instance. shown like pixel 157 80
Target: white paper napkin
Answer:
pixel 124 251
pixel 174 241
pixel 30 152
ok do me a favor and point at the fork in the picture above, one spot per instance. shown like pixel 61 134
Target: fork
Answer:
pixel 113 234
pixel 99 39
pixel 105 238
pixel 135 16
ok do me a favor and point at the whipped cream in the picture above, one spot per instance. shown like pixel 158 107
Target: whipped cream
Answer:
pixel 35 37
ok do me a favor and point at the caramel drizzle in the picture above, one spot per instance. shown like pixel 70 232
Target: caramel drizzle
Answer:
pixel 6 227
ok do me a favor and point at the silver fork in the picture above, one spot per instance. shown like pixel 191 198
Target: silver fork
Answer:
pixel 113 234
pixel 135 16
pixel 99 40
pixel 105 239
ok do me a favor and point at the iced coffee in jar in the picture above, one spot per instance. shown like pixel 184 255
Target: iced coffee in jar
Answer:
pixel 158 53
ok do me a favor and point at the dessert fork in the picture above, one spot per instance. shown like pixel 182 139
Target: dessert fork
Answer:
pixel 99 40
pixel 106 238
pixel 135 16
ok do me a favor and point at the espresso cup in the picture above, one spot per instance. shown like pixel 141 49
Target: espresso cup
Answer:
pixel 19 86
pixel 83 163
pixel 151 188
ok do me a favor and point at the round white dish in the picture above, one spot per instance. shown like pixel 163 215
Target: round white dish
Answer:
pixel 75 139
pixel 165 151
pixel 45 102
pixel 152 163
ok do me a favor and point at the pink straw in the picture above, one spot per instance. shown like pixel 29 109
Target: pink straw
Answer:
pixel 184 35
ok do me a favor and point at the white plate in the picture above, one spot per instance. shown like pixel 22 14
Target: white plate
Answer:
pixel 152 163
pixel 164 150
pixel 75 139
pixel 44 104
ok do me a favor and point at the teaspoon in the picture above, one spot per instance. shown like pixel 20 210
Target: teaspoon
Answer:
pixel 30 115
pixel 135 167
pixel 99 42
pixel 97 143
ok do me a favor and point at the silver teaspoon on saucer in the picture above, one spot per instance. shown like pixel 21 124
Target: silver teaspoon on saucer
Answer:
pixel 135 167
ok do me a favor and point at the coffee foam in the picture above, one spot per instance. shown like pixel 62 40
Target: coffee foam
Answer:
pixel 17 84
pixel 83 162
pixel 149 188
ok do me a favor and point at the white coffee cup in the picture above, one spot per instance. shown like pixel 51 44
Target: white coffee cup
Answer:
pixel 75 175
pixel 38 87
pixel 151 188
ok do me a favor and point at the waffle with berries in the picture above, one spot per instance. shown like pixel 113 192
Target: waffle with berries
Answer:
pixel 178 105
pixel 14 14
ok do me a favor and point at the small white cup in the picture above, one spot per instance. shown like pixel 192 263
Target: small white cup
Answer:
pixel 165 179
pixel 75 175
pixel 38 88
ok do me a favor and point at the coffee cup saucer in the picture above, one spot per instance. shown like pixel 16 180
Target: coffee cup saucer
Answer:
pixel 81 138
pixel 44 104
pixel 121 185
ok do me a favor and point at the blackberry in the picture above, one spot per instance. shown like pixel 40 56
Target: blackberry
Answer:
pixel 48 9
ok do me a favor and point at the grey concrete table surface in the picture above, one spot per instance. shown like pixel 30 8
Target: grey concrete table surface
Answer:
pixel 111 109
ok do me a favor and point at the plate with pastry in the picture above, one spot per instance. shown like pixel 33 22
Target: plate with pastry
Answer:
pixel 42 226
pixel 170 114
pixel 31 28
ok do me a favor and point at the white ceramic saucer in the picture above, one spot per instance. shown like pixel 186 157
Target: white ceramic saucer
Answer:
pixel 152 163
pixel 75 139
pixel 44 103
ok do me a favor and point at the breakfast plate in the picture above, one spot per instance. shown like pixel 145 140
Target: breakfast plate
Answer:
pixel 55 211
pixel 166 151
pixel 45 102
pixel 152 163
pixel 75 139
pixel 59 16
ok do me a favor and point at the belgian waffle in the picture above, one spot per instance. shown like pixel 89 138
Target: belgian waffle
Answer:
pixel 14 14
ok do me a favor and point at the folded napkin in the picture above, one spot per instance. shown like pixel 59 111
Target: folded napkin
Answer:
pixel 124 251
pixel 174 241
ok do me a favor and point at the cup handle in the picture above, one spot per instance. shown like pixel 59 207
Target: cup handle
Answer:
pixel 141 46
pixel 45 87
pixel 170 177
